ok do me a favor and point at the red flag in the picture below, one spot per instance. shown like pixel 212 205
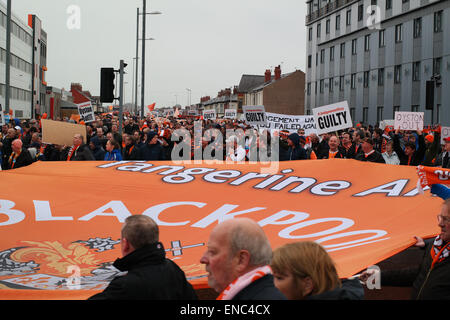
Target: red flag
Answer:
pixel 152 107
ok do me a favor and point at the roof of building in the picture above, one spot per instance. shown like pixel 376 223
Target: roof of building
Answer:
pixel 248 82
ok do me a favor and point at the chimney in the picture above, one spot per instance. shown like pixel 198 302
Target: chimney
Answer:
pixel 278 73
pixel 268 76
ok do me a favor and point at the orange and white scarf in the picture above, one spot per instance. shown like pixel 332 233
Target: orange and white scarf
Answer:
pixel 243 281
pixel 440 251
pixel 431 175
pixel 72 152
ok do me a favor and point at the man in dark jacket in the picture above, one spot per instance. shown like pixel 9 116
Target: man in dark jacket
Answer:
pixel 369 154
pixel 334 150
pixel 430 279
pixel 78 152
pixel 237 261
pixel 20 157
pixel 153 150
pixel 149 275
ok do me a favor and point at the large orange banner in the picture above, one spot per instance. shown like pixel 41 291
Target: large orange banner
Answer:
pixel 60 222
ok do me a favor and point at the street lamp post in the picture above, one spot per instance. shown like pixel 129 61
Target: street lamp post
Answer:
pixel 144 15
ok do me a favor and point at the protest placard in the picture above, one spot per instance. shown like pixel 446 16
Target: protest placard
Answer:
pixel 255 115
pixel 209 115
pixel 387 124
pixel 332 117
pixel 61 133
pixel 230 114
pixel 445 133
pixel 86 112
pixel 409 121
pixel 278 122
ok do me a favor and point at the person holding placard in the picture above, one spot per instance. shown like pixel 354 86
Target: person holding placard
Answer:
pixel 410 156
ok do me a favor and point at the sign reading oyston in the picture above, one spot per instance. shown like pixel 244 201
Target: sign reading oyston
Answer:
pixel 333 117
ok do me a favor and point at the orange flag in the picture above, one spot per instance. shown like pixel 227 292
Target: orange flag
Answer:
pixel 356 210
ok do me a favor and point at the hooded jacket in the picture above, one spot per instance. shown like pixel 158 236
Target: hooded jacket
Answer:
pixel 296 152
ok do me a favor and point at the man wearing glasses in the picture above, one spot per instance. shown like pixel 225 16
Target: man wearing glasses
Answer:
pixel 431 279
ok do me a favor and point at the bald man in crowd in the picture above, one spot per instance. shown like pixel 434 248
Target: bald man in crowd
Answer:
pixel 20 157
pixel 237 261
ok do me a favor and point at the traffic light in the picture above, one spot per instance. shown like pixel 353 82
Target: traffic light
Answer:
pixel 107 85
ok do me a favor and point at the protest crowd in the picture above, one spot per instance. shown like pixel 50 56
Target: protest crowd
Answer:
pixel 154 139
pixel 239 260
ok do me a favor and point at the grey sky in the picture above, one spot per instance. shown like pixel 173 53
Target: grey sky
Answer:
pixel 203 45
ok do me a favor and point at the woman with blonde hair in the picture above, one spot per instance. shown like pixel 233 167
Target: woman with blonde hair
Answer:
pixel 304 270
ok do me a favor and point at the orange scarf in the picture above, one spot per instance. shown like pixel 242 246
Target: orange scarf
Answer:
pixel 72 152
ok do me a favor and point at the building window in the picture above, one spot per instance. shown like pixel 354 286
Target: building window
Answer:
pixel 318 30
pixel 322 56
pixel 322 83
pixel 438 113
pixel 331 85
pixel 367 43
pixel 437 65
pixel 395 109
pixel 398 33
pixel 366 79
pixel 380 114
pixel 352 113
pixel 310 34
pixel 341 83
pixel 331 53
pixel 309 61
pixel 349 17
pixel 414 108
pixel 416 71
pixel 338 22
pixel 381 39
pixel 354 46
pixel 381 77
pixel 398 74
pixel 353 81
pixel 388 4
pixel 317 59
pixel 365 115
pixel 308 89
pixel 360 12
pixel 417 28
pixel 342 50
pixel 438 21
pixel 327 26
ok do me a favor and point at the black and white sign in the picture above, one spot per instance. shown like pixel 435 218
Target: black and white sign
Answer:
pixel 86 112
pixel 230 114
pixel 332 117
pixel 409 121
pixel 445 133
pixel 278 122
pixel 209 115
pixel 255 115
